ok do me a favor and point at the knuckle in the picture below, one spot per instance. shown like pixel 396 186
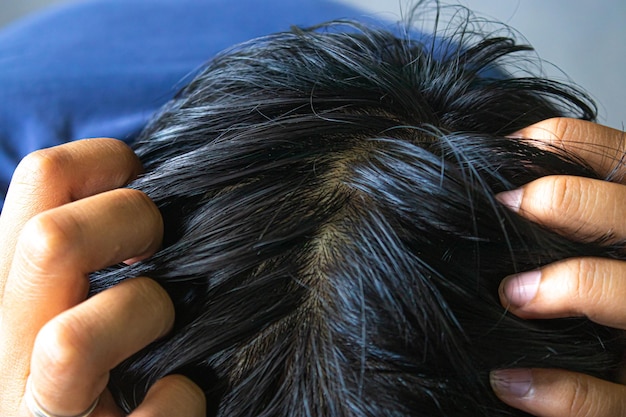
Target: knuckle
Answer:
pixel 40 167
pixel 563 194
pixel 42 241
pixel 561 127
pixel 582 284
pixel 551 131
pixel 588 286
pixel 587 397
pixel 556 130
pixel 579 398
pixel 60 348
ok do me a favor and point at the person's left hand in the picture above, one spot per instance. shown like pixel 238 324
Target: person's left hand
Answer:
pixel 583 287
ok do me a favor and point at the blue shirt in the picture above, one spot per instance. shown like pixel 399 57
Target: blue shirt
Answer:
pixel 101 68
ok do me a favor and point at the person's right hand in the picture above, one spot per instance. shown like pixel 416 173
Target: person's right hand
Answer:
pixel 64 217
pixel 590 287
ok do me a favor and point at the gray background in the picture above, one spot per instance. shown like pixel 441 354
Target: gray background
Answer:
pixel 585 39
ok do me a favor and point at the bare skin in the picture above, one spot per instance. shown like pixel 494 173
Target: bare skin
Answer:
pixel 64 217
pixel 583 287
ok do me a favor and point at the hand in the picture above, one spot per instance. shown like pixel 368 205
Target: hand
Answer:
pixel 63 218
pixel 591 287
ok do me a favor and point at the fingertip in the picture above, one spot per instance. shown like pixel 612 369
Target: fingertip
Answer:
pixel 173 395
pixel 155 296
pixel 520 289
pixel 511 199
pixel 150 220
pixel 192 391
pixel 511 383
pixel 515 387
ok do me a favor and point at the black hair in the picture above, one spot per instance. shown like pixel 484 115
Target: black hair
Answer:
pixel 333 245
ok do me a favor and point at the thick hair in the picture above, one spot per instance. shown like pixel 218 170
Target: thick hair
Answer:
pixel 333 244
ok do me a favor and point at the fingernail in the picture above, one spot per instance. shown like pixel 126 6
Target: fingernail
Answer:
pixel 512 382
pixel 519 289
pixel 512 199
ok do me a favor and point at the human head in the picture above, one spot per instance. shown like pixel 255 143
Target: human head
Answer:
pixel 333 244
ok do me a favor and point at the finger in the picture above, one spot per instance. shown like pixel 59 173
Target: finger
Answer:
pixel 173 395
pixel 589 287
pixel 603 148
pixel 52 177
pixel 75 351
pixel 106 407
pixel 578 207
pixel 59 247
pixel 556 393
pixel 56 251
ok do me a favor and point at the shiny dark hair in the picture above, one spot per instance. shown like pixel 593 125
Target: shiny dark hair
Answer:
pixel 333 244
